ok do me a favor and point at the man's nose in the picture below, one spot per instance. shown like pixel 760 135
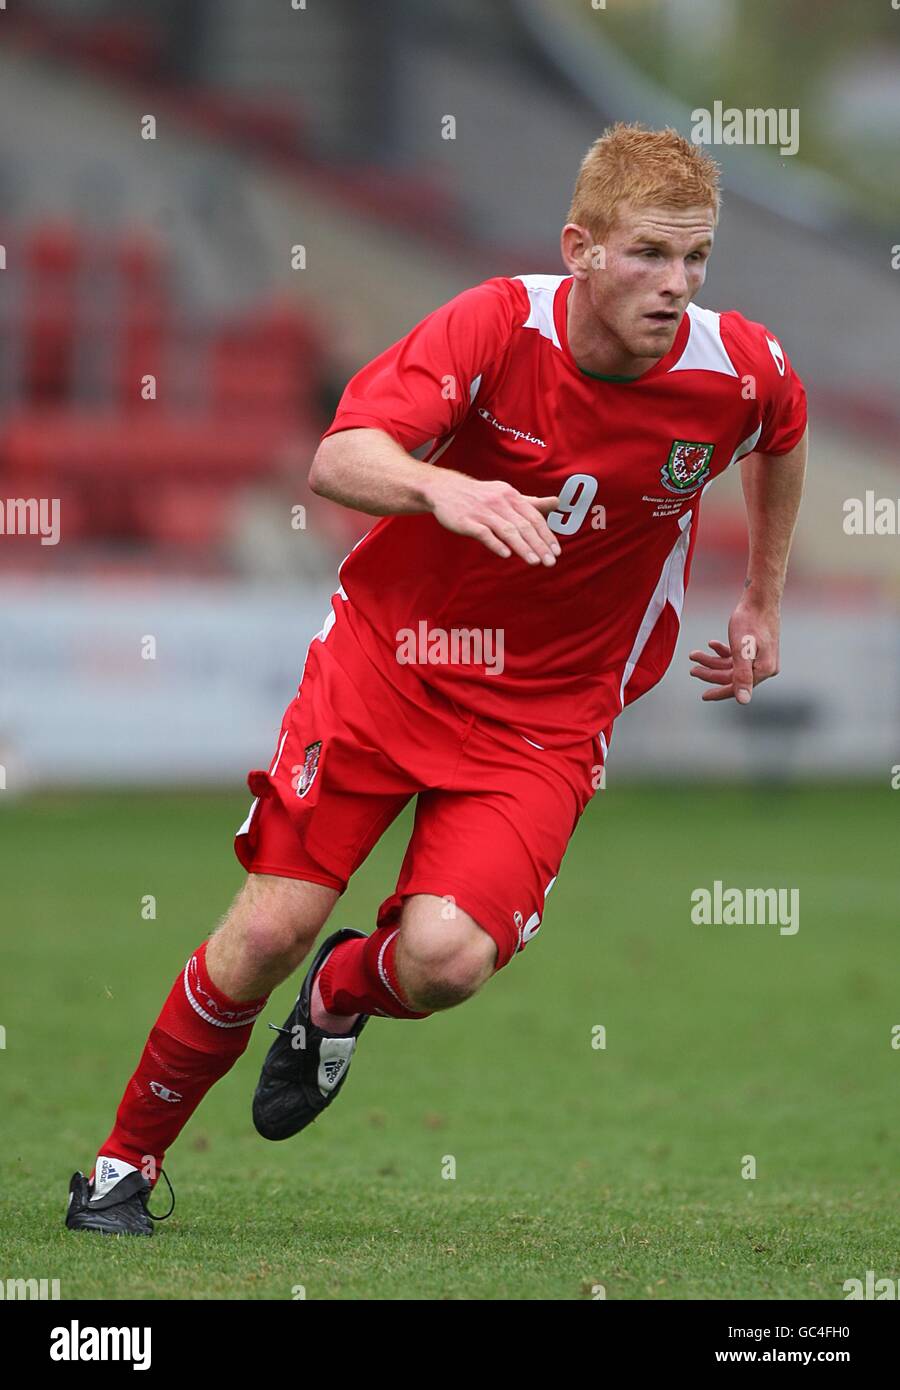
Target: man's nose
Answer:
pixel 675 282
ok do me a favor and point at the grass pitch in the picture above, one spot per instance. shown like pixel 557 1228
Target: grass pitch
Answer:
pixel 576 1166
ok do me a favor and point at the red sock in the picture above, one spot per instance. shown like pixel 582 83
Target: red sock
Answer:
pixel 197 1038
pixel 359 977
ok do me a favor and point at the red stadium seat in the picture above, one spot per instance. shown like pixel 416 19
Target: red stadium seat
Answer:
pixel 95 317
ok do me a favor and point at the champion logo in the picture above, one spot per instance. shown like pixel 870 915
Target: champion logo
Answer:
pixel 164 1093
pixel 511 429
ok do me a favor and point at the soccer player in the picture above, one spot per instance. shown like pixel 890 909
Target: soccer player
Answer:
pixel 524 584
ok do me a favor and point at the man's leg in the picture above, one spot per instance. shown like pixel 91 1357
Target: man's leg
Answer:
pixel 419 963
pixel 441 963
pixel 471 889
pixel 271 926
pixel 470 895
pixel 426 963
pixel 206 1021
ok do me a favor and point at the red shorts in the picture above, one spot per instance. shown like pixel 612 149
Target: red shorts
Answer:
pixel 494 812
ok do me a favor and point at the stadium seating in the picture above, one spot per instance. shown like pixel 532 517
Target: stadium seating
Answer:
pixel 92 320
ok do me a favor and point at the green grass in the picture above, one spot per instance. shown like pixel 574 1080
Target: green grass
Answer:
pixel 574 1166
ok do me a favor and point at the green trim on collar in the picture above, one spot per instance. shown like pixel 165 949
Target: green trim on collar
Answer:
pixel 595 376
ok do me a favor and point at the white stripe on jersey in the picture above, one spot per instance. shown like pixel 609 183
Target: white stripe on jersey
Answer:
pixel 669 589
pixel 541 291
pixel 704 350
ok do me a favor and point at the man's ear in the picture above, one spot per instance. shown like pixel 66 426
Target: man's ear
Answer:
pixel 579 250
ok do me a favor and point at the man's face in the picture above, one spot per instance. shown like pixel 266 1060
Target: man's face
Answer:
pixel 652 265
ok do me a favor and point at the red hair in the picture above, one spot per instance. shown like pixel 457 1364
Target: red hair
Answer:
pixel 644 168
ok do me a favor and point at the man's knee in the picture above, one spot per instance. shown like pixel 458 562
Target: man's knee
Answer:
pixel 441 962
pixel 270 927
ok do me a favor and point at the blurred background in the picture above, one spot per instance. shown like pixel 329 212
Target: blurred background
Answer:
pixel 297 210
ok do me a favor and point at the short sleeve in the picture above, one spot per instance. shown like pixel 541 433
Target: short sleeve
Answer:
pixel 421 388
pixel 784 402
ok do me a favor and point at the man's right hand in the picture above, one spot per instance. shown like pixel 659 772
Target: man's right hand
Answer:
pixel 495 514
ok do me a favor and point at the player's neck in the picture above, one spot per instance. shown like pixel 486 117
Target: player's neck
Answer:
pixel 594 349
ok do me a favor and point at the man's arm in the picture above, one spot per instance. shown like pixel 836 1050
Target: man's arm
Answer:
pixel 773 486
pixel 368 470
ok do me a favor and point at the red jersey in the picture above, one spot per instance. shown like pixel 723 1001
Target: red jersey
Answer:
pixel 489 378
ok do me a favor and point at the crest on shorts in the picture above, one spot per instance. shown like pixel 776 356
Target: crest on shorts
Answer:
pixel 310 767
pixel 687 465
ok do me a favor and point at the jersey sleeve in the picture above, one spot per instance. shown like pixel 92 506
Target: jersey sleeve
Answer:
pixel 778 392
pixel 421 388
pixel 783 400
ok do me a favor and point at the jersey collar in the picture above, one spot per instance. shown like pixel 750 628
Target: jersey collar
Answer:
pixel 560 306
